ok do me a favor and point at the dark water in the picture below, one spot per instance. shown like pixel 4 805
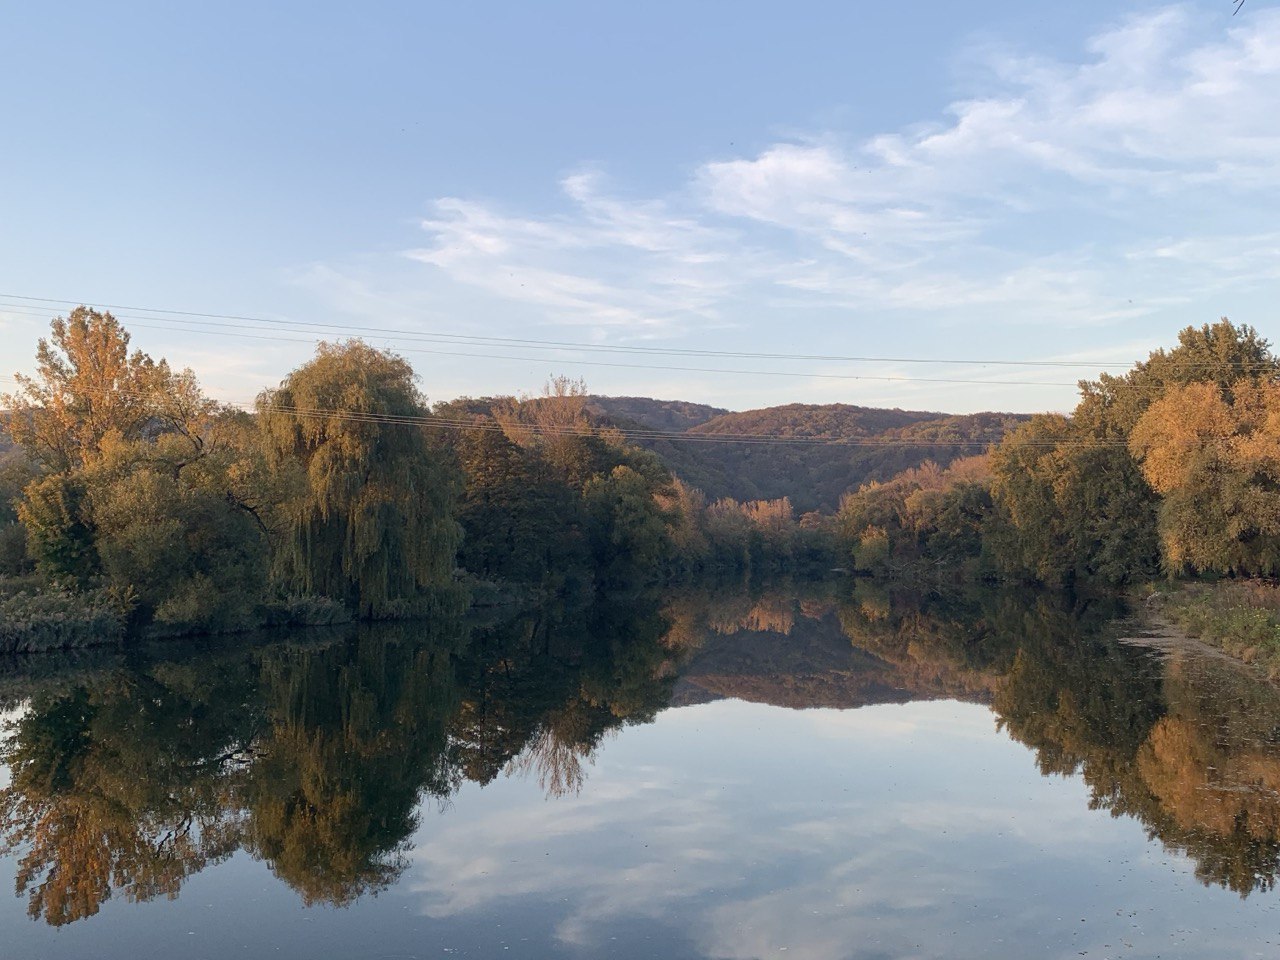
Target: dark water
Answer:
pixel 800 775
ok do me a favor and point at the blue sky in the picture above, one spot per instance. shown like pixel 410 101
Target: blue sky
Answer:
pixel 981 181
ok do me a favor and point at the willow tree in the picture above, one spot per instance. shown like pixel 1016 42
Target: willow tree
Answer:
pixel 371 519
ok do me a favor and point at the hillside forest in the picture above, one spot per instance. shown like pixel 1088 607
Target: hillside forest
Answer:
pixel 133 504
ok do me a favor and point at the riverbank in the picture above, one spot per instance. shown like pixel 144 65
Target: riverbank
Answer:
pixel 1239 617
pixel 36 617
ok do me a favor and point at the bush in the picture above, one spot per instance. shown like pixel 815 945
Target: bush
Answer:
pixel 305 611
pixel 31 622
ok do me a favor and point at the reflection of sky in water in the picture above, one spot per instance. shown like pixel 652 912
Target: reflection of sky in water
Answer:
pixel 734 830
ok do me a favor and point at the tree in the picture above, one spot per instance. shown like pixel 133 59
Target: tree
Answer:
pixel 519 522
pixel 87 385
pixel 1215 459
pixel 143 482
pixel 372 521
pixel 1222 353
pixel 555 426
pixel 628 529
pixel 1070 509
pixel 925 520
pixel 1074 503
pixel 171 534
pixel 16 471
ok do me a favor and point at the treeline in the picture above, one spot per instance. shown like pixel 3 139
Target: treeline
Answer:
pixel 1173 467
pixel 553 494
pixel 132 502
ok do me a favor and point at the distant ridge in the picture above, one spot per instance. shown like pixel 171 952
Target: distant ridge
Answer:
pixel 676 415
pixel 814 477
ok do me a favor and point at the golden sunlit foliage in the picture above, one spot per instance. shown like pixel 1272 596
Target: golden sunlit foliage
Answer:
pixel 1214 457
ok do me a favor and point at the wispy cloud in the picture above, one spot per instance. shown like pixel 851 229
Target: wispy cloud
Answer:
pixel 1133 187
pixel 607 262
pixel 945 215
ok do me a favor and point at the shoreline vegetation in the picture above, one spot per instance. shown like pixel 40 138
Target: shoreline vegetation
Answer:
pixel 132 506
pixel 1239 617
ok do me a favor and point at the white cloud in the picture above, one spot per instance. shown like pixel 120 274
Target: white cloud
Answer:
pixel 919 218
pixel 1131 189
pixel 610 262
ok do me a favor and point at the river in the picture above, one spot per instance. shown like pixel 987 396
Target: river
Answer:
pixel 820 772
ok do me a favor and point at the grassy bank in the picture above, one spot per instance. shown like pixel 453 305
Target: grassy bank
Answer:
pixel 34 621
pixel 1240 617
pixel 36 617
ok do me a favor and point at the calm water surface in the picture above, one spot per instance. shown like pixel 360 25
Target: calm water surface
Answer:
pixel 724 775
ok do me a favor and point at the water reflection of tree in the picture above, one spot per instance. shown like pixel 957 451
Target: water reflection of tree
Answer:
pixel 130 776
pixel 1188 746
pixel 357 734
pixel 315 757
pixel 115 785
pixel 544 691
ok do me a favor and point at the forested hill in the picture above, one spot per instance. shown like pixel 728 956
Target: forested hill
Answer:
pixel 814 475
pixel 676 415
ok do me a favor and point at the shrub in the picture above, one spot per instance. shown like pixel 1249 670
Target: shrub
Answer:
pixel 52 619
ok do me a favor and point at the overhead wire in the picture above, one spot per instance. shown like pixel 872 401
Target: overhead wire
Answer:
pixel 802 374
pixel 246 321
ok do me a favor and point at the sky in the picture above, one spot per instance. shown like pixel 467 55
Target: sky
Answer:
pixel 973 183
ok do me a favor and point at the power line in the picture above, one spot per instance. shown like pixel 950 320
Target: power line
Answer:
pixel 529 343
pixel 802 374
pixel 860 377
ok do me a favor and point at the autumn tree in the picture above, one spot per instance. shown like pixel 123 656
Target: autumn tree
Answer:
pixel 87 384
pixel 1214 457
pixel 556 427
pixel 144 483
pixel 925 520
pixel 1074 502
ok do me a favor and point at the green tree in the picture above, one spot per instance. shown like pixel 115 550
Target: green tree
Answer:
pixel 16 471
pixel 520 523
pixel 372 523
pixel 627 527
pixel 170 533
pixel 1070 509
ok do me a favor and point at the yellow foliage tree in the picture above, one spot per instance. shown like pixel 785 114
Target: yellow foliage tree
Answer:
pixel 1214 456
